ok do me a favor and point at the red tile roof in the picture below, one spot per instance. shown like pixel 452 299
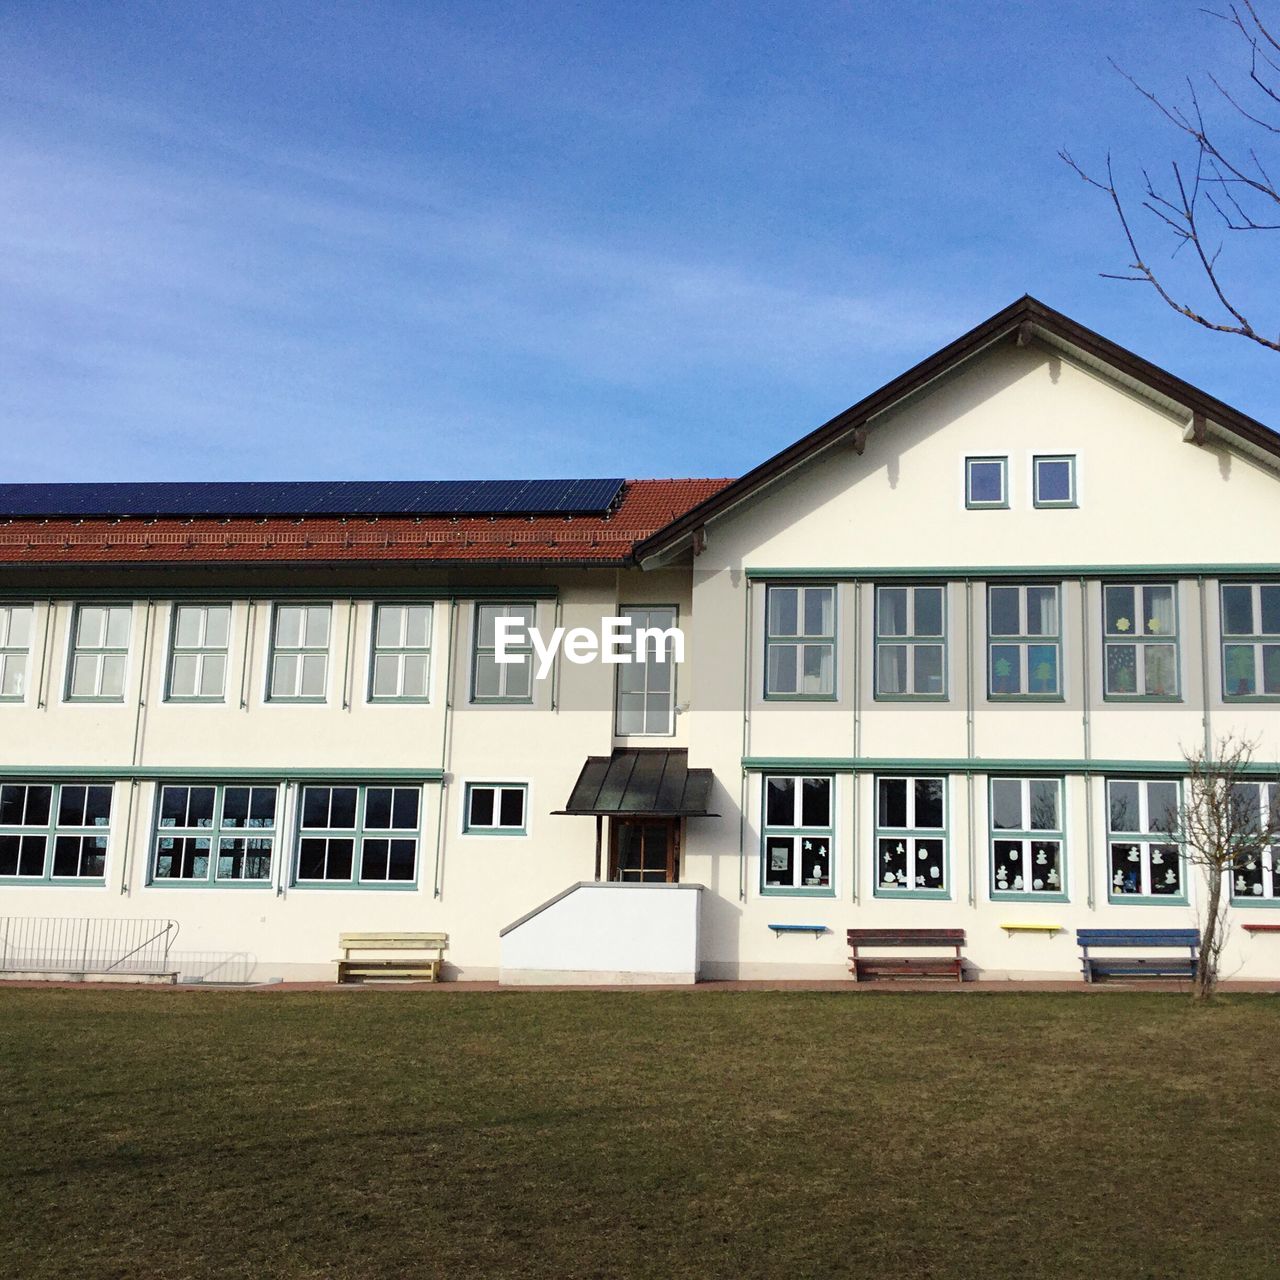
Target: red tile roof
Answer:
pixel 646 507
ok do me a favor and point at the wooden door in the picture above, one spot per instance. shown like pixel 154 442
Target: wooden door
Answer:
pixel 644 850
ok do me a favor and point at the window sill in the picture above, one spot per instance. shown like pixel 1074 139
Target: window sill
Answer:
pixel 1145 900
pixel 1271 698
pixel 504 832
pixel 933 895
pixel 48 882
pixel 237 885
pixel 183 701
pixel 1141 697
pixel 295 702
pixel 1026 697
pixel 1267 904
pixel 912 697
pixel 985 506
pixel 1016 896
pixel 802 891
pixel 801 697
pixel 1055 506
pixel 392 702
pixel 395 886
pixel 500 702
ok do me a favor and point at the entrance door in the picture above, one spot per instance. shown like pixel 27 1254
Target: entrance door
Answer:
pixel 644 850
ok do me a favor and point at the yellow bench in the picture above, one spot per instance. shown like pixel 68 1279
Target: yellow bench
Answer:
pixel 1013 928
pixel 419 967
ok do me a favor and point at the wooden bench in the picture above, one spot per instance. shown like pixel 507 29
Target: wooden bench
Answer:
pixel 1165 966
pixel 906 966
pixel 419 967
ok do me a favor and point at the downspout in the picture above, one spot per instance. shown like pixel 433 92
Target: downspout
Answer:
pixel 287 837
pixel 139 722
pixel 555 670
pixel 746 738
pixel 1204 672
pixel 1087 721
pixel 437 887
pixel 42 702
pixel 857 731
pixel 970 730
pixel 250 626
pixel 347 657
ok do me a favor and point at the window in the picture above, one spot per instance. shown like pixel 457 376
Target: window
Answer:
pixel 353 836
pixel 54 831
pixel 1024 642
pixel 495 808
pixel 986 482
pixel 646 691
pixel 1143 855
pixel 911 643
pixel 198 652
pixel 1257 879
pixel 15 650
pixel 800 642
pixel 300 653
pixel 911 840
pixel 99 648
pixel 494 681
pixel 214 834
pixel 1026 838
pixel 1141 641
pixel 797 835
pixel 401 666
pixel 1250 640
pixel 1053 481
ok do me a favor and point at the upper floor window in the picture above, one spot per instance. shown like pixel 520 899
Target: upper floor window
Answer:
pixel 300 653
pixel 796 856
pixel 1256 879
pixel 494 681
pixel 358 836
pixel 1141 640
pixel 911 837
pixel 1024 642
pixel 401 664
pixel 54 831
pixel 646 691
pixel 1053 480
pixel 214 834
pixel 15 650
pixel 1142 850
pixel 1250 640
pixel 911 646
pixel 986 482
pixel 800 642
pixel 1026 837
pixel 99 651
pixel 198 651
pixel 495 808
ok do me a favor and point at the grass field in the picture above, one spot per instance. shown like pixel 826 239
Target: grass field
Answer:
pixel 370 1134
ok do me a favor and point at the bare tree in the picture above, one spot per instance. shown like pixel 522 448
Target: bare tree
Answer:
pixel 1230 818
pixel 1222 185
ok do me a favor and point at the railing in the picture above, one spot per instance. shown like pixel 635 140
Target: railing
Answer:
pixel 85 944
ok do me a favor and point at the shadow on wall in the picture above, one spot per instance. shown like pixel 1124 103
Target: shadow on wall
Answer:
pixel 720 919
pixel 215 966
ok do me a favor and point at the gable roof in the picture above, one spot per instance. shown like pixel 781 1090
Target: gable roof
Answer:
pixel 603 538
pixel 1022 321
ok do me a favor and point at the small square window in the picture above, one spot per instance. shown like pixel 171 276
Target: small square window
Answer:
pixel 495 808
pixel 1054 481
pixel 986 482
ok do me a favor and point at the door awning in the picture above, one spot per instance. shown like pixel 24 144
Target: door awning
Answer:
pixel 653 781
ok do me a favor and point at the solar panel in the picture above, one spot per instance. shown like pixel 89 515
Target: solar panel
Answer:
pixel 311 498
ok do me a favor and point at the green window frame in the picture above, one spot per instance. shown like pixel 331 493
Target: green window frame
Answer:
pixel 496 809
pixel 1250 626
pixel 911 837
pixel 501 682
pixel 979 472
pixel 1024 642
pixel 99 653
pixel 400 654
pixel 1140 641
pixel 55 832
pixel 911 643
pixel 207 834
pixel 1144 860
pixel 645 691
pixel 1049 471
pixel 17 623
pixel 797 843
pixel 358 836
pixel 1257 882
pixel 199 653
pixel 1028 840
pixel 800 642
pixel 298 670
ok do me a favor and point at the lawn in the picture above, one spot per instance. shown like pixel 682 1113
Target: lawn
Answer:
pixel 389 1133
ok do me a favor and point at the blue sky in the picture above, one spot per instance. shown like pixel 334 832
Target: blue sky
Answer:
pixel 252 241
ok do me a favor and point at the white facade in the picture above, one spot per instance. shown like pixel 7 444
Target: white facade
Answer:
pixel 881 508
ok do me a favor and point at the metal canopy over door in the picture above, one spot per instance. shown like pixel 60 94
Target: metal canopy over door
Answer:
pixel 644 850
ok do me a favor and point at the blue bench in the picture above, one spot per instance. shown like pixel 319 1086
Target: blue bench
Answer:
pixel 1166 966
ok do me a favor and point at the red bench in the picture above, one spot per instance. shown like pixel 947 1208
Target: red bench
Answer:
pixel 906 966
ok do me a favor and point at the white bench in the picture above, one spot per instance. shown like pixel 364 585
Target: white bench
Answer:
pixel 420 967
